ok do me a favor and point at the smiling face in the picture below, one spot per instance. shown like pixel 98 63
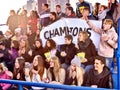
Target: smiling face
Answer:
pixel 98 65
pixel 106 26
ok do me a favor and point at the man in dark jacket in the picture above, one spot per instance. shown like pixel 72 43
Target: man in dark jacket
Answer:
pixel 44 15
pixel 67 51
pixel 100 76
pixel 80 6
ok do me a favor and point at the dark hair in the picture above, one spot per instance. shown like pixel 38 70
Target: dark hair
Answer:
pixel 54 14
pixel 46 5
pixel 58 6
pixel 69 37
pixel 39 41
pixel 16 44
pixel 105 7
pixel 100 58
pixel 20 70
pixel 52 45
pixel 25 11
pixel 12 11
pixel 40 66
pixel 68 4
pixel 2 43
pixel 71 9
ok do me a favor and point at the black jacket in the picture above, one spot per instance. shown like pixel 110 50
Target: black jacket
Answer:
pixel 71 52
pixel 102 80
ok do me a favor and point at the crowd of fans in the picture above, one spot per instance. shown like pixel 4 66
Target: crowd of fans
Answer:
pixel 23 57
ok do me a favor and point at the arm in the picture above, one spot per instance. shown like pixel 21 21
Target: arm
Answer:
pixel 118 13
pixel 27 78
pixel 113 41
pixel 62 75
pixel 94 28
pixel 93 53
pixel 38 79
pixel 110 82
pixel 5 86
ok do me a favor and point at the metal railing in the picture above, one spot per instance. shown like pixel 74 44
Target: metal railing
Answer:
pixel 46 85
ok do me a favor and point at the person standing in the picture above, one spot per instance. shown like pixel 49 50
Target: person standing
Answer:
pixel 108 40
pixel 13 21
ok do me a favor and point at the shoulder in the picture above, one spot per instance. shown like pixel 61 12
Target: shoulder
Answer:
pixel 62 71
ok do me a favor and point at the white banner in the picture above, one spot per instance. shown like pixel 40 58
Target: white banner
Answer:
pixel 71 26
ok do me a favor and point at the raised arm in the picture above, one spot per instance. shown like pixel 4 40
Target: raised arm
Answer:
pixel 94 28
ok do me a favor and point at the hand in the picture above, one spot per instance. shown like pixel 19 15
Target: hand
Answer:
pixel 34 71
pixel 105 37
pixel 10 52
pixel 94 86
pixel 45 80
pixel 30 52
pixel 86 18
pixel 113 1
pixel 85 60
pixel 77 46
pixel 18 76
pixel 63 54
pixel 74 74
pixel 1 54
pixel 27 71
pixel 9 73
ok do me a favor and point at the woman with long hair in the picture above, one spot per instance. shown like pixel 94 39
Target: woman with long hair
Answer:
pixel 50 47
pixel 56 74
pixel 38 72
pixel 38 49
pixel 23 50
pixel 86 50
pixel 18 73
pixel 75 74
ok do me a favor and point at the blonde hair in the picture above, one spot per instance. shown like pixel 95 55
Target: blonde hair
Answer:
pixel 108 21
pixel 1 67
pixel 85 35
pixel 79 75
pixel 56 69
pixel 56 62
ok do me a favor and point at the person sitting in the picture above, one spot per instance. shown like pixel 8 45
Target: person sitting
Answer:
pixel 86 50
pixel 108 39
pixel 75 74
pixel 67 51
pixel 56 74
pixel 100 76
pixel 5 74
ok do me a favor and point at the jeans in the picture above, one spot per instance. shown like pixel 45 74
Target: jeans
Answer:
pixel 87 68
pixel 109 62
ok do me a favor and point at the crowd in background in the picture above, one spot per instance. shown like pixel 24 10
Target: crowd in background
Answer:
pixel 23 57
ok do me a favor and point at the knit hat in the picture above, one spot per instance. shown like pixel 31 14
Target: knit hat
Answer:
pixel 76 61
